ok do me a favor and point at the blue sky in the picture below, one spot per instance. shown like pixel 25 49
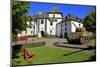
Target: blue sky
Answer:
pixel 78 10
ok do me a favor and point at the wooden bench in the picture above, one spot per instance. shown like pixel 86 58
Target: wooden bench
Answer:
pixel 27 55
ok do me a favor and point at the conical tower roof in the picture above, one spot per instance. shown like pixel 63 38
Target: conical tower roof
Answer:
pixel 55 9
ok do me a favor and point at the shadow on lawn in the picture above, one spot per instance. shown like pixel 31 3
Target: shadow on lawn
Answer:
pixel 82 49
pixel 74 43
pixel 93 58
pixel 15 50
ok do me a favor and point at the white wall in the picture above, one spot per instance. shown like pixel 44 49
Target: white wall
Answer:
pixel 63 28
pixel 53 27
pixel 18 35
pixel 23 33
pixel 29 31
pixel 48 27
pixel 69 26
pixel 58 26
pixel 37 27
pixel 73 27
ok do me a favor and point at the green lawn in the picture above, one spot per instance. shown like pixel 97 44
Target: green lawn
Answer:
pixel 44 54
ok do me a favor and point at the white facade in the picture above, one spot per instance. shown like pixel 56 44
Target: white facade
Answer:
pixel 45 25
pixel 52 28
pixel 52 24
pixel 67 27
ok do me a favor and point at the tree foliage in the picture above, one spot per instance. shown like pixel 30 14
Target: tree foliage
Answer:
pixel 90 21
pixel 19 15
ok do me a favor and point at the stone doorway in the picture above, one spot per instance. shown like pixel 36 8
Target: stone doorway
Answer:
pixel 42 33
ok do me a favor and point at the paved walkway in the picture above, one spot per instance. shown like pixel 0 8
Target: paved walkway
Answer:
pixel 56 42
pixel 61 42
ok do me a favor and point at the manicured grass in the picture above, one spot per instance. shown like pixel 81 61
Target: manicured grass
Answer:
pixel 44 54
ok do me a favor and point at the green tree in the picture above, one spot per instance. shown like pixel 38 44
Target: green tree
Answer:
pixel 19 16
pixel 90 21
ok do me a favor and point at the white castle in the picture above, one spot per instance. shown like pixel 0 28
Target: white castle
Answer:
pixel 51 23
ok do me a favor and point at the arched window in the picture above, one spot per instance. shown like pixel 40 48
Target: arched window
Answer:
pixel 79 24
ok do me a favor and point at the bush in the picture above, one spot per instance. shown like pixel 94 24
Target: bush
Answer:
pixel 49 36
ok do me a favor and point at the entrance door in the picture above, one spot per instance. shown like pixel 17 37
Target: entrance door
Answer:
pixel 65 34
pixel 42 33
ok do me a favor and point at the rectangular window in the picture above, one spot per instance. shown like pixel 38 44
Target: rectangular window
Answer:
pixel 61 30
pixel 51 23
pixel 65 24
pixel 50 31
pixel 31 31
pixel 42 21
pixel 65 29
pixel 79 25
pixel 61 25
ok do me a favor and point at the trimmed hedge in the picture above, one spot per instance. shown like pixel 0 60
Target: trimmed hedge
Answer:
pixel 29 45
pixel 33 44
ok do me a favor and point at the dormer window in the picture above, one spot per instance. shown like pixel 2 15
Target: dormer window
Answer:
pixel 77 19
pixel 53 16
pixel 67 17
